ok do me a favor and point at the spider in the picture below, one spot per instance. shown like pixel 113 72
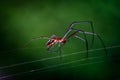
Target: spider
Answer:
pixel 54 40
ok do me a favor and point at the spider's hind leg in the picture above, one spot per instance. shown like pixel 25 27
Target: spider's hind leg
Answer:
pixel 101 40
pixel 86 43
pixel 83 39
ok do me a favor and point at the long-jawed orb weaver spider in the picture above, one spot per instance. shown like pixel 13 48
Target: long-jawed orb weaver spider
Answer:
pixel 53 40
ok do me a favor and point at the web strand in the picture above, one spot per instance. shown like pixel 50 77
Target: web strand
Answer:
pixel 49 68
pixel 44 69
pixel 49 58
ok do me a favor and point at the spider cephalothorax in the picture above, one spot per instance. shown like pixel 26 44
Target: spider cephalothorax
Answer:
pixel 55 40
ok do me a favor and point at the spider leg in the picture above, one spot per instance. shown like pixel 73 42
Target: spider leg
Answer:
pixel 85 40
pixel 80 22
pixel 33 39
pixel 90 33
pixel 50 49
pixel 85 43
pixel 73 34
pixel 80 38
pixel 99 39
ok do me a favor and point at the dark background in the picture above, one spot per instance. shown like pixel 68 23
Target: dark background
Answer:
pixel 22 20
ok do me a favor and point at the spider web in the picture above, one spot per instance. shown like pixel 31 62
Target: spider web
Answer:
pixel 52 67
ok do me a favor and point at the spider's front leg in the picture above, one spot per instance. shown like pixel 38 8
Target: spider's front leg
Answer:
pixel 90 33
pixel 101 40
pixel 33 39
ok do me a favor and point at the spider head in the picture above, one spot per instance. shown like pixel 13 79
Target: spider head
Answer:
pixel 51 41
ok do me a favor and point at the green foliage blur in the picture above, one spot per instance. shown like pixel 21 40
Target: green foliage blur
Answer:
pixel 22 20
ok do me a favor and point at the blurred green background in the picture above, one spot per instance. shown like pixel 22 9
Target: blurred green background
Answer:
pixel 22 20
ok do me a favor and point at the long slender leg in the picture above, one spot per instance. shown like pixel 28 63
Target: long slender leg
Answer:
pixel 33 39
pixel 90 33
pixel 86 41
pixel 80 38
pixel 73 34
pixel 82 32
pixel 80 22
